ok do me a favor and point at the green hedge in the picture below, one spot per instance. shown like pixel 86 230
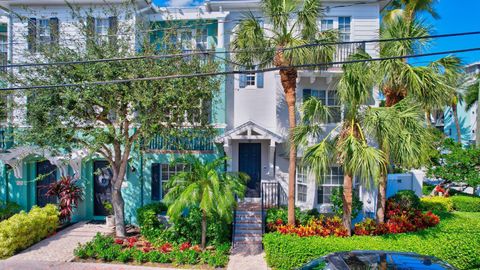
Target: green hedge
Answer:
pixel 25 229
pixel 437 204
pixel 456 240
pixel 466 203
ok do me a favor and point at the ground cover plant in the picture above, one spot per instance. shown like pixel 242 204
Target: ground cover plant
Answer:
pixel 139 250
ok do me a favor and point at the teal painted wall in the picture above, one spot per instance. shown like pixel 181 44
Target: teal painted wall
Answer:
pixel 465 119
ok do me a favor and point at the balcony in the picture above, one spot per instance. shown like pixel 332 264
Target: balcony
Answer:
pixel 203 144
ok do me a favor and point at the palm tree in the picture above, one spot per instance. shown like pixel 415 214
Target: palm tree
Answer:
pixel 400 133
pixel 472 96
pixel 261 46
pixel 409 9
pixel 206 186
pixel 347 144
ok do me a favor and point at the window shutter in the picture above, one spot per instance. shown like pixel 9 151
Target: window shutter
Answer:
pixel 112 30
pixel 260 80
pixel 54 30
pixel 32 34
pixel 307 93
pixel 242 80
pixel 90 30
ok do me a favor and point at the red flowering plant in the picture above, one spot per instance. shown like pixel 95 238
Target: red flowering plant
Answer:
pixel 185 246
pixel 400 219
pixel 68 195
pixel 166 248
pixel 316 227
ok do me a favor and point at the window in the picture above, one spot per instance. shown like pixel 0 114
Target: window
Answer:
pixel 328 98
pixel 43 31
pixel 201 38
pixel 250 79
pixel 326 25
pixel 344 28
pixel 333 179
pixel 161 174
pixel 301 184
pixel 102 26
pixel 3 46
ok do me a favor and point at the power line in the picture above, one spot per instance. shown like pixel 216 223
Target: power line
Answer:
pixel 257 50
pixel 179 76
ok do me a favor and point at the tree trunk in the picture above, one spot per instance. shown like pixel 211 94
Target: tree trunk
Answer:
pixel 428 119
pixel 204 229
pixel 382 198
pixel 118 207
pixel 457 123
pixel 347 202
pixel 392 97
pixel 289 83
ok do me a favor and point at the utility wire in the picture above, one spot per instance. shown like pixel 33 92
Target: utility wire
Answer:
pixel 254 50
pixel 178 76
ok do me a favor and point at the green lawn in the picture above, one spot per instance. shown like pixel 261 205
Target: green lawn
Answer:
pixel 456 240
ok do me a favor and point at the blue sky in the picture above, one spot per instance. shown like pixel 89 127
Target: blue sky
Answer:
pixel 456 16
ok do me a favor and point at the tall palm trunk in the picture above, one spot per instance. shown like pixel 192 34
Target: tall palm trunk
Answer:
pixel 457 123
pixel 382 198
pixel 204 229
pixel 289 82
pixel 347 202
pixel 428 118
pixel 392 96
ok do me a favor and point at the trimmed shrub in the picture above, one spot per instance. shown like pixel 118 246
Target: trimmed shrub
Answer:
pixel 8 209
pixel 407 199
pixel 456 240
pixel 427 189
pixel 437 204
pixel 466 203
pixel 25 229
pixel 147 215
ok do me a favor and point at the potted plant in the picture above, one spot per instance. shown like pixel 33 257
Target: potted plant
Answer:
pixel 110 218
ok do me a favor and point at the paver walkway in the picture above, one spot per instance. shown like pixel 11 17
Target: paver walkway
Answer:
pixel 246 258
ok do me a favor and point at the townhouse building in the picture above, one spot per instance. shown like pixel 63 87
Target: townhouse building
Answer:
pixel 249 112
pixel 466 118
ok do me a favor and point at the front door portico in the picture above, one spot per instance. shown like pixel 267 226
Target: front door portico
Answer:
pixel 250 162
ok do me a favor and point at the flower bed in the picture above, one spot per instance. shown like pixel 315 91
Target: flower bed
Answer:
pixel 456 240
pixel 316 227
pixel 137 249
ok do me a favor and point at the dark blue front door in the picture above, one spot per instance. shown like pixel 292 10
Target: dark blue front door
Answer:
pixel 102 187
pixel 47 174
pixel 250 162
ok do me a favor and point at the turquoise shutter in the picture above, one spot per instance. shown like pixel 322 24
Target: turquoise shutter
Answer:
pixel 242 80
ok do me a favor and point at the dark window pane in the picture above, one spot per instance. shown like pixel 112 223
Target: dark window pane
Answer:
pixel 155 182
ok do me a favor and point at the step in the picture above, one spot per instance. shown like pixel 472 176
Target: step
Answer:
pixel 248 230
pixel 247 238
pixel 243 218
pixel 248 234
pixel 248 225
pixel 243 212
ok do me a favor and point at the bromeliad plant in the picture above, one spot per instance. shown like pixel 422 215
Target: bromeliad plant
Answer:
pixel 68 194
pixel 207 186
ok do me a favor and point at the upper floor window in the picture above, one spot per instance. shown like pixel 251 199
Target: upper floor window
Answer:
pixel 328 98
pixel 188 39
pixel 201 38
pixel 344 28
pixel 102 30
pixel 3 46
pixel 251 80
pixel 326 25
pixel 42 32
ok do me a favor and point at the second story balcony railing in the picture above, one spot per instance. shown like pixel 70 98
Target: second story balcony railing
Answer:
pixel 343 53
pixel 182 144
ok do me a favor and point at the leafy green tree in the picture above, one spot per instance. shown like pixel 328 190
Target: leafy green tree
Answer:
pixel 206 186
pixel 348 143
pixel 409 9
pixel 111 120
pixel 457 164
pixel 270 46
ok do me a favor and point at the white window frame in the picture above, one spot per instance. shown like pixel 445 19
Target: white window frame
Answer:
pixel 102 27
pixel 328 183
pixel 171 171
pixel 345 32
pixel 327 100
pixel 336 24
pixel 43 32
pixel 302 187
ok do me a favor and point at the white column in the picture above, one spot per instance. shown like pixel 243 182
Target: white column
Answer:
pixel 221 33
pixel 271 159
pixel 227 147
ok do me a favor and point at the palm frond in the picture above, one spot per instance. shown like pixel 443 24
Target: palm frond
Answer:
pixel 307 19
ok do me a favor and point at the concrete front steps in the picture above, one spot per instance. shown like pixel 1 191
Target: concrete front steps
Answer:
pixel 247 237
